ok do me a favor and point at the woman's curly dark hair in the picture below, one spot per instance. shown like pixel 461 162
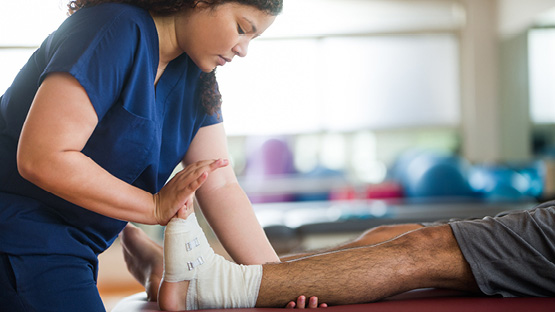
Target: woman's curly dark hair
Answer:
pixel 272 7
pixel 210 96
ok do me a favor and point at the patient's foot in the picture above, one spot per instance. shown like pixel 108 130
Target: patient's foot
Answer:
pixel 144 259
pixel 197 278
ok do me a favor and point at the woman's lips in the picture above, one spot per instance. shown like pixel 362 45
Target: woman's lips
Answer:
pixel 222 60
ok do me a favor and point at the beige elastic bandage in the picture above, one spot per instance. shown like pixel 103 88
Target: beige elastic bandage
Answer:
pixel 214 281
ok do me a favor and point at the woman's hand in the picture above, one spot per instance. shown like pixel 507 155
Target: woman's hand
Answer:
pixel 301 303
pixel 178 192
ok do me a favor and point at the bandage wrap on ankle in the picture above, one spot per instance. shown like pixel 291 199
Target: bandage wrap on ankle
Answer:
pixel 214 281
pixel 185 245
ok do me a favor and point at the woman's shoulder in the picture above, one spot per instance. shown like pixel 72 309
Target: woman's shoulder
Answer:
pixel 114 24
pixel 115 8
pixel 116 18
pixel 106 12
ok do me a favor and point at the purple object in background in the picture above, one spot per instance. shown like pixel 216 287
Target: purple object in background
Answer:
pixel 269 159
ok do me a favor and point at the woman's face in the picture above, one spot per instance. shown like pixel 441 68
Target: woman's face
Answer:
pixel 213 36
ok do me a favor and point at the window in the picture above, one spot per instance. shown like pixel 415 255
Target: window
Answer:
pixel 542 75
pixel 342 84
pixel 24 24
pixel 346 66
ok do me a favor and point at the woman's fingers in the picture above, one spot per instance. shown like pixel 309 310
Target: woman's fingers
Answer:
pixel 313 303
pixel 204 165
pixel 302 304
pixel 195 184
pixel 181 188
pixel 189 177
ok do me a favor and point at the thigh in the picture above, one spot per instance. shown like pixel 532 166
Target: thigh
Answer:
pixel 56 283
pixel 512 255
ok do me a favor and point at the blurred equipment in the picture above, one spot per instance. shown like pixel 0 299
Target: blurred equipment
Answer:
pixel 430 174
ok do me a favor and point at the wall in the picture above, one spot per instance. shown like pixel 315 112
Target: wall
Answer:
pixel 495 110
pixel 517 15
pixel 479 82
pixel 516 18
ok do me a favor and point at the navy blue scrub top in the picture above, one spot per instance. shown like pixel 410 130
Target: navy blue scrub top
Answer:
pixel 142 134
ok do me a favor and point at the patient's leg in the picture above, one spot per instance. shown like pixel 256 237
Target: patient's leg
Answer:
pixel 428 257
pixel 144 261
pixel 370 237
pixel 144 258
pixel 381 234
pixel 423 258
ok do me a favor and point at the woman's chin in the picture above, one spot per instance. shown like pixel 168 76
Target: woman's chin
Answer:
pixel 209 70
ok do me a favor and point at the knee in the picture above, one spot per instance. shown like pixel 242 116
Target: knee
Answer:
pixel 433 237
pixel 435 244
pixel 440 258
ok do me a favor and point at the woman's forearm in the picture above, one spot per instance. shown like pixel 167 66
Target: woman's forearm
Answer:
pixel 78 179
pixel 229 212
pixel 225 205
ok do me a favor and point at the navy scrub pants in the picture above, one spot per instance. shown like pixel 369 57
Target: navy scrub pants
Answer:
pixel 48 283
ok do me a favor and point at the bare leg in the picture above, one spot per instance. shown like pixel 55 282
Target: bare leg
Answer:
pixel 429 257
pixel 381 234
pixel 370 237
pixel 143 257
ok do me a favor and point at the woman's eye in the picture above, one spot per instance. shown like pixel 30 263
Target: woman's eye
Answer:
pixel 240 30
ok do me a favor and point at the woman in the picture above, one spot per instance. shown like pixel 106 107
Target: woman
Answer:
pixel 93 126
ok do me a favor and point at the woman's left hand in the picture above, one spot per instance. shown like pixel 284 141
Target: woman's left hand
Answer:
pixel 301 303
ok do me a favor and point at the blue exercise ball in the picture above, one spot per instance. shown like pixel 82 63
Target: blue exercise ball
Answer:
pixel 433 175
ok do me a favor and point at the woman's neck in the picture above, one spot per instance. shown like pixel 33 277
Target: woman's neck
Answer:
pixel 167 40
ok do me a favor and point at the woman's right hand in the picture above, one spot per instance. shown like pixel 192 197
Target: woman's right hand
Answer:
pixel 180 189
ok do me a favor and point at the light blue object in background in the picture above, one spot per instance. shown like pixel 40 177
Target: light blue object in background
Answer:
pixel 432 175
pixel 507 182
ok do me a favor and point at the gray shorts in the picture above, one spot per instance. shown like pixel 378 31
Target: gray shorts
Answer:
pixel 512 254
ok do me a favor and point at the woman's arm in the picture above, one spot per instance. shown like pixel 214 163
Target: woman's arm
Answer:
pixel 225 204
pixel 58 126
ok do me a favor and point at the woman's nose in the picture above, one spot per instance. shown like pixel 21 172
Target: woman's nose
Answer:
pixel 242 47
